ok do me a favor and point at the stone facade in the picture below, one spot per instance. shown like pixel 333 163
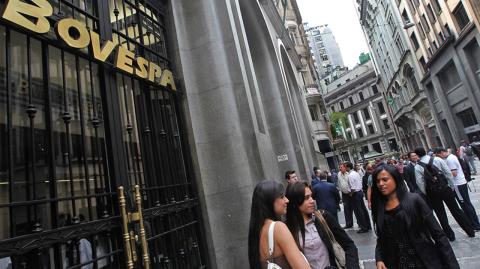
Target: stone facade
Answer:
pixel 246 112
pixel 400 72
pixel 368 131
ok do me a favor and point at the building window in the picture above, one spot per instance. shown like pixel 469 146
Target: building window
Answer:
pixel 399 44
pixel 355 118
pixel 365 149
pixel 360 94
pixel 313 112
pixel 371 129
pixel 405 17
pixel 350 99
pixel 447 30
pixel 381 108
pixel 374 89
pixel 431 91
pixel 360 132
pixel 436 6
pixel 412 8
pixel 442 37
pixel 386 124
pixel 413 37
pixel 425 23
pixel 376 147
pixel 423 63
pixel 366 113
pixel 461 16
pixel 430 13
pixel 473 54
pixel 449 77
pixel 349 136
pixel 341 106
pixel 467 117
pixel 332 108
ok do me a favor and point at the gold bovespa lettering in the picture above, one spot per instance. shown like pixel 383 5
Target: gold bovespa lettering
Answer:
pixel 101 53
pixel 167 79
pixel 76 35
pixel 15 8
pixel 62 28
pixel 124 59
pixel 141 70
pixel 154 71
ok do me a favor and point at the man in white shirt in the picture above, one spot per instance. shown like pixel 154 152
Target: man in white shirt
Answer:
pixel 436 200
pixel 357 203
pixel 344 187
pixel 461 187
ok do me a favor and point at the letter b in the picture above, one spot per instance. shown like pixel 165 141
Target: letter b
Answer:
pixel 15 8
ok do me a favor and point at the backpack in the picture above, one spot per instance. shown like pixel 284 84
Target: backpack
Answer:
pixel 468 150
pixel 435 180
pixel 466 169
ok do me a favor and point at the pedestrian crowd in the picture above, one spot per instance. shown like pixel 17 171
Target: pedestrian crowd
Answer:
pixel 295 224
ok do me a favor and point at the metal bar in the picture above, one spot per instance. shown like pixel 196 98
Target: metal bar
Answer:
pixel 66 119
pixel 172 230
pixel 78 9
pixel 31 111
pixel 138 161
pixel 164 117
pixel 94 121
pixel 44 201
pixel 82 133
pixel 96 260
pixel 51 158
pixel 9 129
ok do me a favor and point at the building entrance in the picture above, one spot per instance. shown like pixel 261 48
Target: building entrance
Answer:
pixel 74 131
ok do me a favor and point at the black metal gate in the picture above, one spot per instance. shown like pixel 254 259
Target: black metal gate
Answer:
pixel 72 131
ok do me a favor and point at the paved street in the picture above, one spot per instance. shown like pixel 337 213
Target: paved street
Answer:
pixel 466 249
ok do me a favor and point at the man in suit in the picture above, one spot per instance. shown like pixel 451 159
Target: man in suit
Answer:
pixel 409 173
pixel 326 195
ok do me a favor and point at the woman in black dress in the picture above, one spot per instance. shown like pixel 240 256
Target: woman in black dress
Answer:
pixel 409 236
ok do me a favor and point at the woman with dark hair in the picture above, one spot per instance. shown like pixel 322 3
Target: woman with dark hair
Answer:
pixel 268 204
pixel 409 236
pixel 314 231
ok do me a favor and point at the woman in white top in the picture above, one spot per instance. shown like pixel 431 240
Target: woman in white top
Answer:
pixel 268 205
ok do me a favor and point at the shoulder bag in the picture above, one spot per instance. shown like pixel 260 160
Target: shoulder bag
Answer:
pixel 337 249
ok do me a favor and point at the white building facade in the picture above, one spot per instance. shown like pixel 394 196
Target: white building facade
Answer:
pixel 324 48
pixel 365 130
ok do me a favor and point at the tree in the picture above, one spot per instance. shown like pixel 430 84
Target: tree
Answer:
pixel 364 57
pixel 338 120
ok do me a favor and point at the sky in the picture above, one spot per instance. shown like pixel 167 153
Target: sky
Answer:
pixel 341 17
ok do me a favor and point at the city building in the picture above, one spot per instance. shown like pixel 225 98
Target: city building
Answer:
pixel 195 102
pixel 400 73
pixel 360 124
pixel 446 44
pixel 324 48
pixel 316 106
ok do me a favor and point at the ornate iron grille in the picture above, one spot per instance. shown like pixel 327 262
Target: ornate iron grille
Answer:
pixel 58 200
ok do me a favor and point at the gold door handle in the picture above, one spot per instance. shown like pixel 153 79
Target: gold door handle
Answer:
pixel 133 246
pixel 126 234
pixel 143 237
